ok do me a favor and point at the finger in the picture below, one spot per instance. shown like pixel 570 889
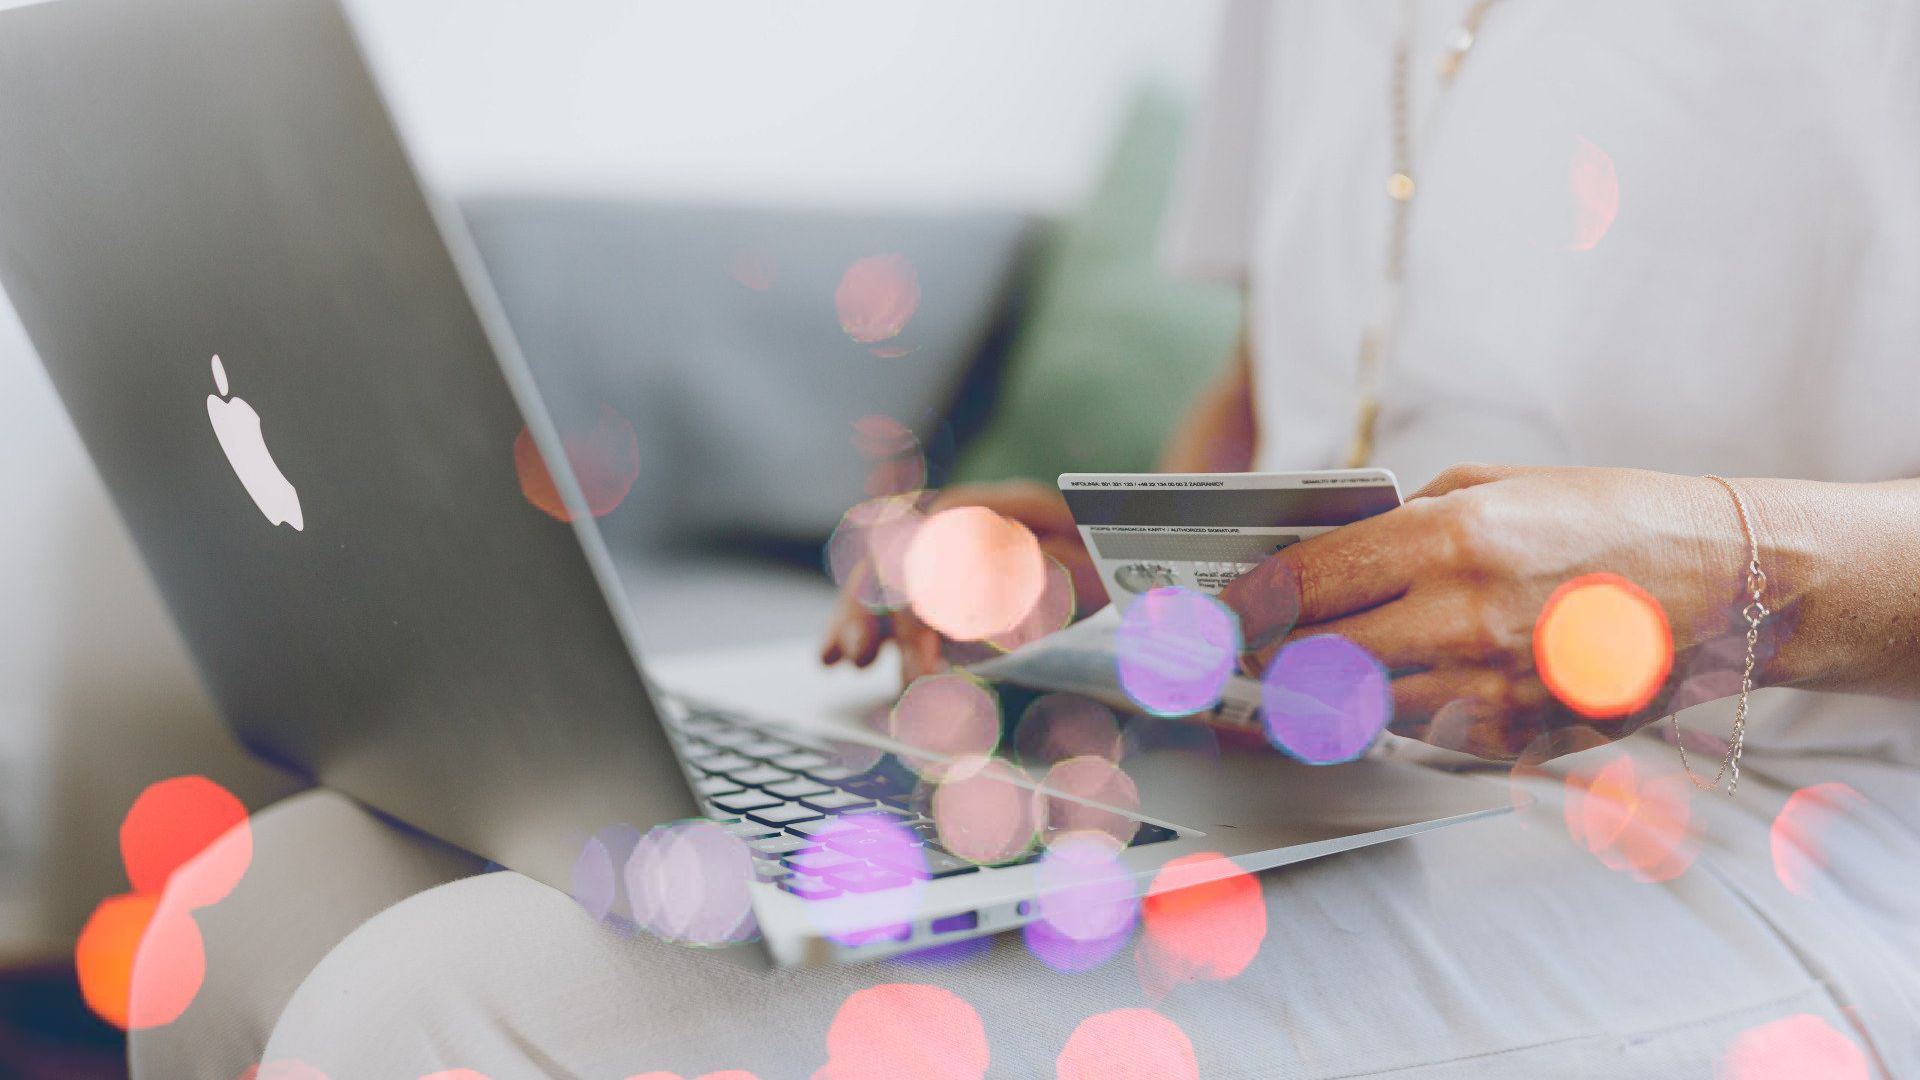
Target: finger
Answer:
pixel 1475 711
pixel 1089 592
pixel 1404 634
pixel 921 647
pixel 854 633
pixel 1350 569
pixel 1466 475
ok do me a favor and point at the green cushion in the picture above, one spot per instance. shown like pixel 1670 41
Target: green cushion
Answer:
pixel 1111 349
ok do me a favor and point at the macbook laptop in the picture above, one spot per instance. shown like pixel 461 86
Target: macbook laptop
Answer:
pixel 294 379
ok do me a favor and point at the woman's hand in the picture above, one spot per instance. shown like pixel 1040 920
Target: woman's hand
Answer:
pixel 857 634
pixel 1445 592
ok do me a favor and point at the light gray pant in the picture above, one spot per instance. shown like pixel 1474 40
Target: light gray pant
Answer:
pixel 1495 949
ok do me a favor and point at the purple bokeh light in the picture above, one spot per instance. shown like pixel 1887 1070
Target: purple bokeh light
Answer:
pixel 1325 700
pixel 1087 905
pixel 855 917
pixel 1175 650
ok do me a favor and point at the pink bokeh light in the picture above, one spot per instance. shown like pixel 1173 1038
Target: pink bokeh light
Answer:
pixel 876 297
pixel 950 716
pixel 1800 832
pixel 1204 919
pixel 1051 612
pixel 866 555
pixel 688 882
pixel 1110 798
pixel 1127 1044
pixel 1596 194
pixel 1635 824
pixel 984 810
pixel 1056 727
pixel 896 1031
pixel 1798 1047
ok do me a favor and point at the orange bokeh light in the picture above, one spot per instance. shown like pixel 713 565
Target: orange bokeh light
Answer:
pixel 604 455
pixel 1799 834
pixel 971 574
pixel 139 965
pixel 176 820
pixel 897 1030
pixel 1204 918
pixel 1603 646
pixel 1126 1044
pixel 876 297
pixel 1792 1048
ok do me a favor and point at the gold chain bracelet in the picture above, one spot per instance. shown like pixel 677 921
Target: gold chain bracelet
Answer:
pixel 1755 612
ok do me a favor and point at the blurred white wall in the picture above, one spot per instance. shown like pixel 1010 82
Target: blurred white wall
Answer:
pixel 839 102
pixel 998 102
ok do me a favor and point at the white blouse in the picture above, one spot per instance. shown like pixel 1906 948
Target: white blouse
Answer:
pixel 1681 236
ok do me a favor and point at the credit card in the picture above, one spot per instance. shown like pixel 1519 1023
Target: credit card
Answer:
pixel 1195 530
pixel 1202 530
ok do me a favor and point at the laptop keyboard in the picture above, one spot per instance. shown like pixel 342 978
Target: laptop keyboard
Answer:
pixel 780 796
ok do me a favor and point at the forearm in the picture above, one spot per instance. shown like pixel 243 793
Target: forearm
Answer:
pixel 1843 579
pixel 1217 431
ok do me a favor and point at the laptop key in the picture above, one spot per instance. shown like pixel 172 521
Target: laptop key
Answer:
pixel 797 788
pixel 818 862
pixel 783 815
pixel 834 802
pixel 732 736
pixel 940 864
pixel 747 800
pixel 801 761
pixel 724 763
pixel 779 844
pixel 809 888
pixel 764 747
pixel 831 773
pixel 717 785
pixel 862 843
pixel 866 879
pixel 750 830
pixel 757 775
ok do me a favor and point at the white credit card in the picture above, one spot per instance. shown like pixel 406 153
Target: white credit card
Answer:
pixel 1201 530
pixel 1198 530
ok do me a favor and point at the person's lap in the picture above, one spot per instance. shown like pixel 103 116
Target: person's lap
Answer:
pixel 1496 948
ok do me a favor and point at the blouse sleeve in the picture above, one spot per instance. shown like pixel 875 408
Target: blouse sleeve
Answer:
pixel 1210 222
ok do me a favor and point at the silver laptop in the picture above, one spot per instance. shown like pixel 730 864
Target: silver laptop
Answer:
pixel 293 376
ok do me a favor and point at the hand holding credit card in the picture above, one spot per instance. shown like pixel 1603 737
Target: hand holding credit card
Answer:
pixel 1194 531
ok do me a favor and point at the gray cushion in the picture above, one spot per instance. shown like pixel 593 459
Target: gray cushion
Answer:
pixel 742 397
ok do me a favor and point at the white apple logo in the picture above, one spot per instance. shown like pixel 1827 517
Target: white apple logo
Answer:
pixel 238 428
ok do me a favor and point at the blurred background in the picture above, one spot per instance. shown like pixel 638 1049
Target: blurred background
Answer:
pixel 673 199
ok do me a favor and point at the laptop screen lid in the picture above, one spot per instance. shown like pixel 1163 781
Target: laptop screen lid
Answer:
pixel 293 379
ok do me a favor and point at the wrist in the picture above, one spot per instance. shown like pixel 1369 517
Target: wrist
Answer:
pixel 1788 532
